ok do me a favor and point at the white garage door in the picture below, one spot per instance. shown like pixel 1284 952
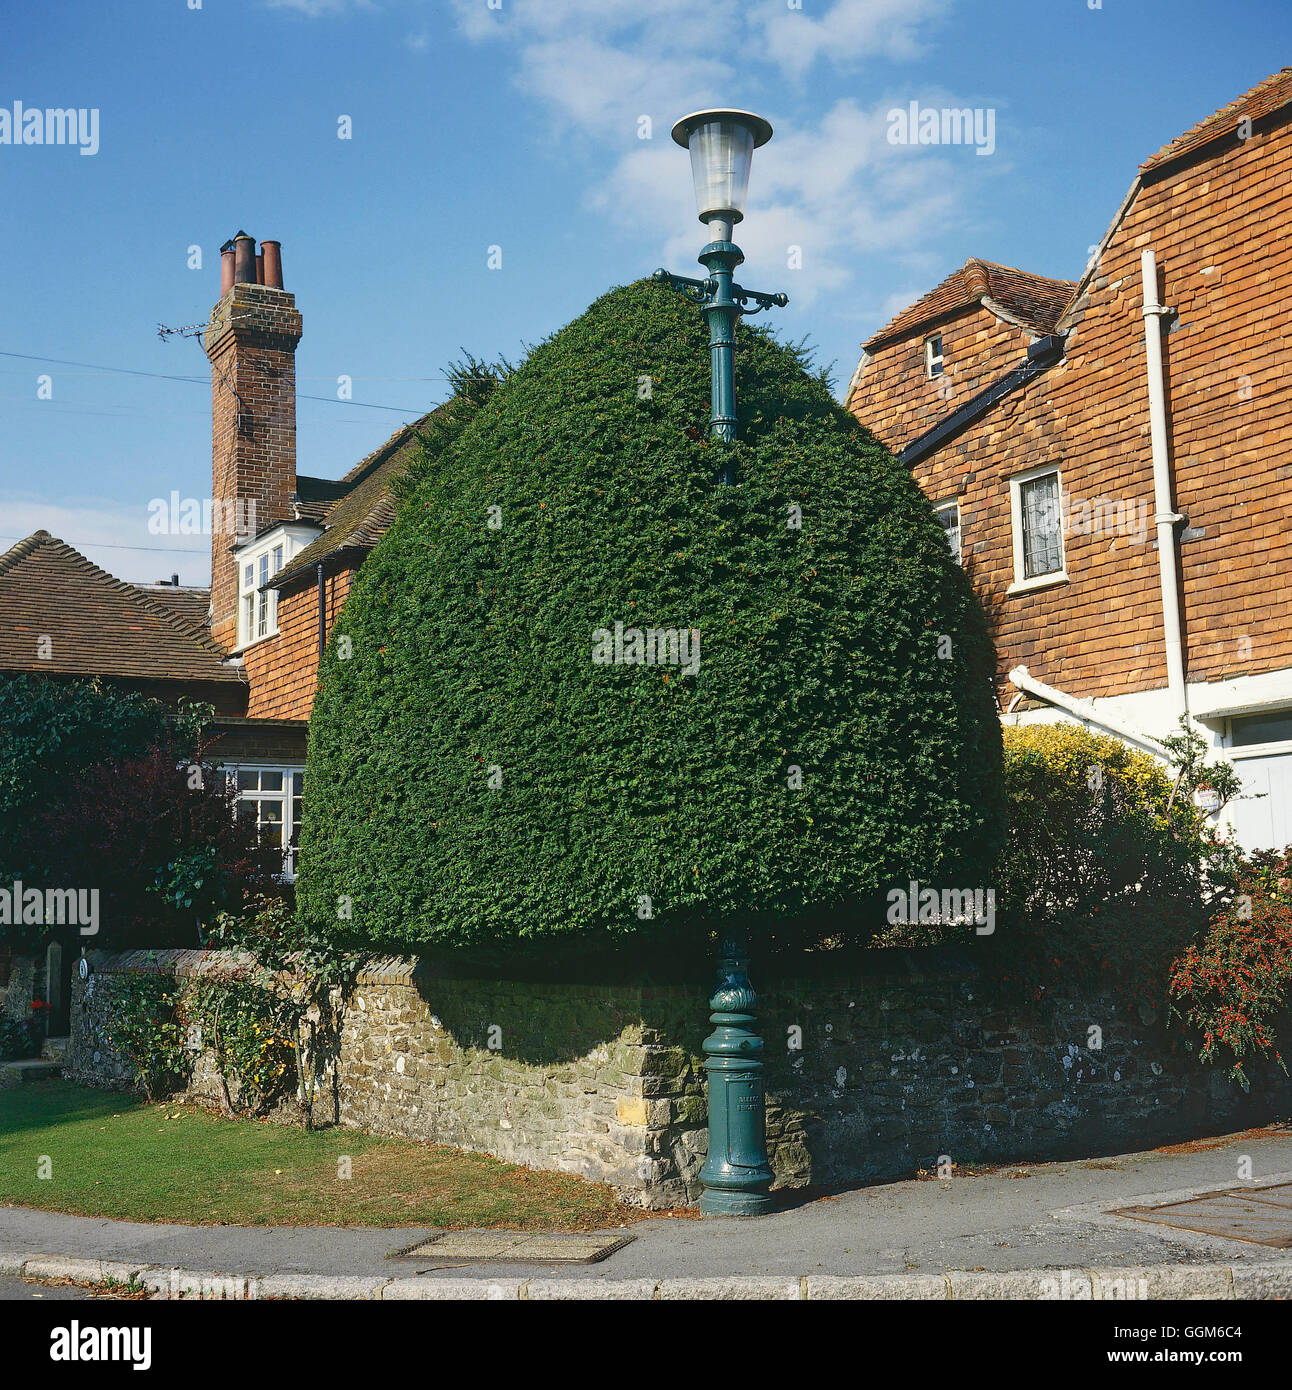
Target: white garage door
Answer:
pixel 1264 823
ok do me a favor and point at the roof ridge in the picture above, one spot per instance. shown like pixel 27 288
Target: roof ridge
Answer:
pixel 158 604
pixel 356 475
pixel 1217 125
pixel 112 627
pixel 166 612
pixel 131 591
pixel 1018 270
pixel 21 549
pixel 973 280
pixel 361 514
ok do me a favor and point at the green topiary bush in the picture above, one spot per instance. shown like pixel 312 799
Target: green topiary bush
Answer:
pixel 476 776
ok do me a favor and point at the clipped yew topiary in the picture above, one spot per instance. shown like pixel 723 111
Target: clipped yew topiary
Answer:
pixel 489 763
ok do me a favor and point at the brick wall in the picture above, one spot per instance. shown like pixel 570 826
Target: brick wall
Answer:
pixel 276 743
pixel 283 670
pixel 1218 227
pixel 904 1057
pixel 251 342
pixel 897 399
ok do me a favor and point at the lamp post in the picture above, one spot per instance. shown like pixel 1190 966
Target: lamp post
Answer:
pixel 722 145
pixel 736 1174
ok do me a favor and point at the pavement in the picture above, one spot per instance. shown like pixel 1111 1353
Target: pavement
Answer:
pixel 1027 1231
pixel 16 1290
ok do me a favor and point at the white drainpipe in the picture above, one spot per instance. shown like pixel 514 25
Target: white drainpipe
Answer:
pixel 1166 518
pixel 1022 679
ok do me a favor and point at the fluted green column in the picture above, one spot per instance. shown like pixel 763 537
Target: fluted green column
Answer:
pixel 736 1174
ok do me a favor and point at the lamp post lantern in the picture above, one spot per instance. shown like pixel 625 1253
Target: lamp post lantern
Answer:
pixel 722 145
pixel 736 1174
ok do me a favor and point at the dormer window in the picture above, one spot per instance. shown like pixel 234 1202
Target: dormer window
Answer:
pixel 259 562
pixel 259 605
pixel 933 356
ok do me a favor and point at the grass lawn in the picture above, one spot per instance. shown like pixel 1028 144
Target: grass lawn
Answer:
pixel 114 1156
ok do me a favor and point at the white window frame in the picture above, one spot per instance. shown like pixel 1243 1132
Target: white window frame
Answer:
pixel 951 504
pixel 286 797
pixel 934 362
pixel 1022 584
pixel 1255 750
pixel 259 561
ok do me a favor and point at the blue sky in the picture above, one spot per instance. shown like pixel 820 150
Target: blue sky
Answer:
pixel 518 123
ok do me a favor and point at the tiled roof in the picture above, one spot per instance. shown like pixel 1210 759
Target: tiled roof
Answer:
pixel 1035 301
pixel 97 625
pixel 1267 96
pixel 315 496
pixel 191 604
pixel 363 511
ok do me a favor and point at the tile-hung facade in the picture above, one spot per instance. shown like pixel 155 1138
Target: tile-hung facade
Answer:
pixel 1112 458
pixel 284 549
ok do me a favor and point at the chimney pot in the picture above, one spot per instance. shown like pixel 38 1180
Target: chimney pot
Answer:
pixel 244 259
pixel 260 270
pixel 226 268
pixel 271 253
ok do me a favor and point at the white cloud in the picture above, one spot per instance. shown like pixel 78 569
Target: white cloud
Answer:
pixel 837 190
pixel 114 537
pixel 676 39
pixel 601 89
pixel 600 64
pixel 672 24
pixel 847 33
pixel 833 186
pixel 316 9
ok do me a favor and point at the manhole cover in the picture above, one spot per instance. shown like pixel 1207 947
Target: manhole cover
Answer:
pixel 520 1246
pixel 1260 1216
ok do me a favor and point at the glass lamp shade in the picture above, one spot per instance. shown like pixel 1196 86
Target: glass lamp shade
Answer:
pixel 722 145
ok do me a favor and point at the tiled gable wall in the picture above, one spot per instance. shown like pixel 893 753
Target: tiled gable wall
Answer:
pixel 1220 233
pixel 283 670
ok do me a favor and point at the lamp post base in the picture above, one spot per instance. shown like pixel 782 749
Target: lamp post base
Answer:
pixel 715 1202
pixel 736 1174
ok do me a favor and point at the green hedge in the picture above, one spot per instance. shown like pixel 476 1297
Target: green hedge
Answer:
pixel 851 648
pixel 1090 822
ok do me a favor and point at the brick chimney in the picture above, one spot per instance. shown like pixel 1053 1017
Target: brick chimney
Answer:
pixel 251 342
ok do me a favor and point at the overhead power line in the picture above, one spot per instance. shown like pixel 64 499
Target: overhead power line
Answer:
pixel 202 381
pixel 111 545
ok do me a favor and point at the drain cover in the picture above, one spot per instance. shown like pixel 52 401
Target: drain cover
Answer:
pixel 520 1246
pixel 1260 1216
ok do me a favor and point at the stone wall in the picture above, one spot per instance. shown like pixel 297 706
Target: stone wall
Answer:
pixel 877 1068
pixel 17 986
